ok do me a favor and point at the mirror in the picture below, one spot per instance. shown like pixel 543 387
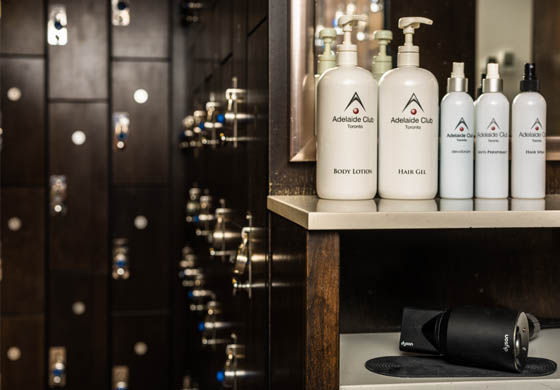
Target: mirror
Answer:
pixel 509 32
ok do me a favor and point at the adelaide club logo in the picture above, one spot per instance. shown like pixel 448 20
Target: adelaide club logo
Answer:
pixel 493 125
pixel 355 98
pixel 462 125
pixel 413 99
pixel 537 125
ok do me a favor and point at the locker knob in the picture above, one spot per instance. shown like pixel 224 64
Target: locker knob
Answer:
pixel 14 94
pixel 226 235
pixel 235 353
pixel 14 353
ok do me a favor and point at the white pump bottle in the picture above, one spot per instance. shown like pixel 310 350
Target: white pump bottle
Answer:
pixel 456 138
pixel 382 62
pixel 408 124
pixel 347 125
pixel 492 138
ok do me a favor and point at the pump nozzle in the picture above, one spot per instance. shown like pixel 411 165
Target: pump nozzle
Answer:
pixel 347 52
pixel 408 53
pixel 382 62
pixel 327 60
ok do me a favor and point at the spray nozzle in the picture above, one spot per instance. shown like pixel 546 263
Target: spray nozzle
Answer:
pixel 408 53
pixel 492 71
pixel 458 70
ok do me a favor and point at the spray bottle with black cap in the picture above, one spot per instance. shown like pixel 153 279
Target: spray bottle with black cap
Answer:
pixel 528 139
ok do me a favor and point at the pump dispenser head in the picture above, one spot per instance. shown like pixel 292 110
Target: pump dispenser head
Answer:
pixel 408 53
pixel 492 82
pixel 347 53
pixel 457 82
pixel 327 60
pixel 530 83
pixel 382 62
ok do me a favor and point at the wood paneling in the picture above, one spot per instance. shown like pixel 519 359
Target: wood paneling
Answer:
pixel 384 271
pixel 145 158
pixel 78 70
pixel 22 27
pixel 23 251
pixel 23 122
pixel 27 334
pixel 147 34
pixel 79 238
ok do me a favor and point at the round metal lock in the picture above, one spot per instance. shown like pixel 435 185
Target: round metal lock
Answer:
pixel 14 224
pixel 14 94
pixel 14 353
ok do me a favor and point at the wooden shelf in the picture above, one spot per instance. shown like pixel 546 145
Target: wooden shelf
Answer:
pixel 356 349
pixel 313 213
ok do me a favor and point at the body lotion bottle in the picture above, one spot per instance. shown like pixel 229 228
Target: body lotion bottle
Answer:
pixel 492 138
pixel 528 139
pixel 347 125
pixel 408 124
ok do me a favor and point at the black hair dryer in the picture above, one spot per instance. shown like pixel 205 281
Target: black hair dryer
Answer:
pixel 495 338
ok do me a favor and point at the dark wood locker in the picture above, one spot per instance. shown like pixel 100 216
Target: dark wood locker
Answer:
pixel 22 28
pixel 78 70
pixel 144 160
pixel 22 87
pixel 78 239
pixel 147 35
pixel 23 251
pixel 23 354
pixel 78 321
pixel 147 288
pixel 141 344
pixel 257 12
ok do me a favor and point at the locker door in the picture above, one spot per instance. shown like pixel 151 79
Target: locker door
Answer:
pixel 78 70
pixel 23 247
pixel 78 322
pixel 144 159
pixel 23 121
pixel 147 34
pixel 22 27
pixel 22 348
pixel 78 150
pixel 142 347
pixel 141 217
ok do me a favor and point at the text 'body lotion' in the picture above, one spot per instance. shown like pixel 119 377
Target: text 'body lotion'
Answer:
pixel 456 138
pixel 492 138
pixel 528 139
pixel 408 124
pixel 347 125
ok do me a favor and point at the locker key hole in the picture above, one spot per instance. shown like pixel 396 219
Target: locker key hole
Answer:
pixel 14 94
pixel 140 222
pixel 14 224
pixel 140 348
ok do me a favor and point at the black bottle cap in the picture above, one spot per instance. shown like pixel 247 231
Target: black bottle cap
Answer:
pixel 529 82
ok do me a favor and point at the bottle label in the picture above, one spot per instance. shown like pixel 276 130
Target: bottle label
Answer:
pixel 355 115
pixel 493 139
pixel 534 138
pixel 459 138
pixel 412 115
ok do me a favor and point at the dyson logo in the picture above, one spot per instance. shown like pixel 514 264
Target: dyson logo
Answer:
pixel 407 344
pixel 506 343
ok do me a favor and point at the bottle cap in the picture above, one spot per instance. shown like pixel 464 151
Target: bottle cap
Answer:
pixel 382 62
pixel 457 82
pixel 327 60
pixel 530 83
pixel 347 53
pixel 408 53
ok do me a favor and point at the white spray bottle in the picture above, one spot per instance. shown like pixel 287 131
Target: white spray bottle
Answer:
pixel 408 124
pixel 347 125
pixel 528 139
pixel 492 138
pixel 456 138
